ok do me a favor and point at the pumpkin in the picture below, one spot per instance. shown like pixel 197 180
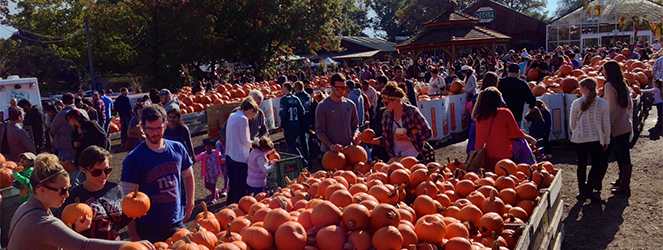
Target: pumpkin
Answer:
pixel 493 204
pixel 456 229
pixel 509 196
pixel 205 238
pixel 367 135
pixel 400 177
pixel 470 213
pixel 275 218
pixel 227 246
pixel 387 238
pixel 519 213
pixel 245 203
pixel 324 214
pixel 456 87
pixel 228 235
pixel 161 245
pixel 257 238
pixel 565 70
pixel 290 235
pixel 354 154
pixel 569 84
pixel 185 244
pixel 136 246
pixel 73 211
pixel 464 188
pixel 331 237
pixel 333 160
pixel 179 234
pixel 509 165
pixel 225 216
pixel 533 74
pixel 539 90
pixel 409 235
pixel 208 221
pixel 239 224
pixel 359 240
pixel 527 191
pixel 458 243
pixel 355 217
pixel 385 215
pixel 430 228
pixel 136 204
pixel 424 205
pixel 274 156
pixel 5 177
pixel 489 223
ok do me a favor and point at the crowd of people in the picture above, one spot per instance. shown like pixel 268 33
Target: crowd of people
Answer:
pixel 66 156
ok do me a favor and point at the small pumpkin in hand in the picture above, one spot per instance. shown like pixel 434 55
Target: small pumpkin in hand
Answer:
pixel 73 211
pixel 136 204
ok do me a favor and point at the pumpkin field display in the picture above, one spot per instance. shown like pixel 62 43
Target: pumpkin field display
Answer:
pixel 76 210
pixel 388 205
pixel 135 204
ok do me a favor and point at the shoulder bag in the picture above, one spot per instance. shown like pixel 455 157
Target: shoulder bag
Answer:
pixel 477 158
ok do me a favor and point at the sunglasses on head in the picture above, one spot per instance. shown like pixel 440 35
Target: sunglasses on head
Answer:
pixel 97 172
pixel 340 88
pixel 62 191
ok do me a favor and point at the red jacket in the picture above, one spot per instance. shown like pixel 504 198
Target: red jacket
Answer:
pixel 504 129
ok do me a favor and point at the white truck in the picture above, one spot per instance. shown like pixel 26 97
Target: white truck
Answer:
pixel 19 88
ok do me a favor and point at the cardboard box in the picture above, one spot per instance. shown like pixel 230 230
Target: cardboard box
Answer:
pixel 436 113
pixel 458 113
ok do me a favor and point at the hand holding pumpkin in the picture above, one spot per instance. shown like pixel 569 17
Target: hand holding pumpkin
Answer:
pixel 83 223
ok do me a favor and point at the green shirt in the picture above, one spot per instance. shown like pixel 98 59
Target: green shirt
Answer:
pixel 23 178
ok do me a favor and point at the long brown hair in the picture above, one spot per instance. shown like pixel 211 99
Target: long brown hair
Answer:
pixel 614 76
pixel 489 100
pixel 589 83
pixel 489 80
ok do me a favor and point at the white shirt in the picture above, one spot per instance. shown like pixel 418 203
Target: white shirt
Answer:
pixel 471 84
pixel 238 143
pixel 435 85
pixel 403 148
pixel 656 46
pixel 657 94
pixel 372 96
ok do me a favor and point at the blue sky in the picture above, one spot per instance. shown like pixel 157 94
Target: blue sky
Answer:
pixel 6 32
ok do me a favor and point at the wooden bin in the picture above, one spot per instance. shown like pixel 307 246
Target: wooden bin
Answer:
pixel 216 117
pixel 545 230
pixel 10 202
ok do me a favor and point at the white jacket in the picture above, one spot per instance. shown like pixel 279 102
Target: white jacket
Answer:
pixel 590 125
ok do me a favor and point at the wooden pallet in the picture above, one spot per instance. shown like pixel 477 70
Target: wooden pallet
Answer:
pixel 545 230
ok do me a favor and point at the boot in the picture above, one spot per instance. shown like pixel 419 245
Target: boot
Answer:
pixel 625 187
pixel 594 197
pixel 617 183
pixel 582 192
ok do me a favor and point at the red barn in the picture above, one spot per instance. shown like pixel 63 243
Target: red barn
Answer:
pixel 525 31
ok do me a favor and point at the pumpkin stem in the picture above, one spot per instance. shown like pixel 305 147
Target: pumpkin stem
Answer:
pixel 228 230
pixel 306 185
pixel 538 187
pixel 496 245
pixel 437 178
pixel 287 180
pixel 448 160
pixel 186 239
pixel 505 170
pixel 425 191
pixel 483 172
pixel 492 196
pixel 204 209
pixel 135 192
pixel 281 202
pixel 531 172
pixel 456 161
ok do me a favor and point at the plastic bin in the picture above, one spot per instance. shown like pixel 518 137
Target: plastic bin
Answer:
pixel 289 166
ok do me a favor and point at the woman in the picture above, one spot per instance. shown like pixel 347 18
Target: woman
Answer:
pixel 590 124
pixel 51 110
pixel 490 79
pixel 86 133
pixel 238 145
pixel 177 131
pixel 405 130
pixel 470 81
pixel 135 131
pixel 495 127
pixel 34 226
pixel 618 96
pixel 658 102
pixel 105 198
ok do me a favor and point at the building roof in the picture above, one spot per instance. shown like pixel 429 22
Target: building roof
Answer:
pixel 612 11
pixel 477 4
pixel 370 42
pixel 453 34
pixel 359 54
pixel 449 16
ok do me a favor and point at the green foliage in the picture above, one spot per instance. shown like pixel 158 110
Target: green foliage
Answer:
pixel 353 18
pixel 417 12
pixel 385 20
pixel 566 6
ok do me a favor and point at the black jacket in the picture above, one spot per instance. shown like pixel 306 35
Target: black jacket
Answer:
pixel 35 120
pixel 123 106
pixel 92 134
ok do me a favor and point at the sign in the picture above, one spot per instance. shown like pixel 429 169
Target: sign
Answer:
pixel 485 14
pixel 18 95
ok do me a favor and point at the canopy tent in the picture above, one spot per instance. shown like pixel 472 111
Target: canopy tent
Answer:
pixel 583 27
pixel 328 61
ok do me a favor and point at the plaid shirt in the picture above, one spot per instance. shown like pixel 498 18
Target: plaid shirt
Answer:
pixel 412 118
pixel 101 109
pixel 657 69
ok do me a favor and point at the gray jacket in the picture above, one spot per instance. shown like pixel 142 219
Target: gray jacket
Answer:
pixel 18 141
pixel 61 130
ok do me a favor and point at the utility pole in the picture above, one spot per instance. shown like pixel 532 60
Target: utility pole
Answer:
pixel 93 84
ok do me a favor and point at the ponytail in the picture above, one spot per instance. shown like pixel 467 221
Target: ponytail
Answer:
pixel 589 83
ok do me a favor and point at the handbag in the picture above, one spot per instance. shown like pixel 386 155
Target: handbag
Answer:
pixel 477 158
pixel 429 152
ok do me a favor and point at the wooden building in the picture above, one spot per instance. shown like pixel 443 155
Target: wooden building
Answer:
pixel 525 31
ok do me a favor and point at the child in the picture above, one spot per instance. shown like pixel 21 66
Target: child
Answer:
pixel 656 93
pixel 538 127
pixel 547 118
pixel 211 168
pixel 259 165
pixel 221 148
pixel 23 177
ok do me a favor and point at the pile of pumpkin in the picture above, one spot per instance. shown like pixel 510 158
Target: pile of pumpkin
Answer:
pixel 567 79
pixel 7 169
pixel 456 87
pixel 115 125
pixel 401 204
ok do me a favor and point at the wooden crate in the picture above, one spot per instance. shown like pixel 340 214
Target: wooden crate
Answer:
pixel 544 228
pixel 197 122
pixel 216 117
pixel 10 202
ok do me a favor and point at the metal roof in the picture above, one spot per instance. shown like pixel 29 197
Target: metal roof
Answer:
pixel 358 55
pixel 370 42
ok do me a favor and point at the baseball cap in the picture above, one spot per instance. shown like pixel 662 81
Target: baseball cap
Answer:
pixel 28 155
pixel 164 92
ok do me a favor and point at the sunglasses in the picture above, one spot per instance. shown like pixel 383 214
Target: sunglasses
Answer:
pixel 62 191
pixel 340 88
pixel 97 172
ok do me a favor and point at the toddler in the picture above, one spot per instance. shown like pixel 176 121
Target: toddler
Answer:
pixel 211 168
pixel 23 177
pixel 259 165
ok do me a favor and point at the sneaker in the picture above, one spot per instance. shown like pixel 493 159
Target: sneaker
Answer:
pixel 224 193
pixel 212 201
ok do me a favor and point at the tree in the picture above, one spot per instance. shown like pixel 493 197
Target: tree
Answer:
pixel 417 12
pixel 353 19
pixel 385 20
pixel 566 6
pixel 525 6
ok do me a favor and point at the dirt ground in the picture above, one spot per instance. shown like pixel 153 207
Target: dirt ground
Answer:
pixel 619 222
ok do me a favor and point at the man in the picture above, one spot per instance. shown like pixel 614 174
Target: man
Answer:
pixel 376 122
pixel 541 66
pixel 34 121
pixel 337 123
pixel 61 131
pixel 356 97
pixel 108 104
pixel 366 74
pixel 516 93
pixel 291 109
pixel 257 125
pixel 168 101
pixel 657 69
pixel 372 96
pixel 635 53
pixel 5 112
pixel 306 120
pixel 508 57
pixel 13 139
pixel 161 169
pixel 656 46
pixel 123 107
pixel 612 53
pixel 452 76
pixel 398 77
pixel 100 107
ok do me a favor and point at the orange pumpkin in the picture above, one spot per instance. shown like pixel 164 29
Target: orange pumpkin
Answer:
pixel 135 246
pixel 324 214
pixel 360 240
pixel 333 161
pixel 489 223
pixel 331 237
pixel 290 235
pixel 257 238
pixel 73 211
pixel 430 228
pixel 533 74
pixel 456 87
pixel 384 215
pixel 354 154
pixel 208 221
pixel 367 135
pixel 387 238
pixel 569 84
pixel 136 204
